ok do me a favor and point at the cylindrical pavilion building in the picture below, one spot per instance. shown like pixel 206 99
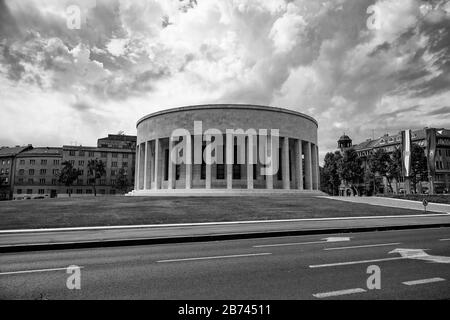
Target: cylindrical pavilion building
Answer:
pixel 295 150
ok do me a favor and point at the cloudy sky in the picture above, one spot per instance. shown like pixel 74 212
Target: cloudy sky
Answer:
pixel 364 67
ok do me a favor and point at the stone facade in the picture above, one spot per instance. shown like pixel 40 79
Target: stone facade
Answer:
pixel 297 153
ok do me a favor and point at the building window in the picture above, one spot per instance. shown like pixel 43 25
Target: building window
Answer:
pixel 72 162
pixel 2 171
pixel 81 172
pixel 79 191
pixel 30 181
pixel 113 173
pixel 72 153
pixel 31 172
pixel 114 155
pixel 22 162
pixel 6 181
pixel 42 181
pixel 81 163
pixel 54 181
pixel 29 191
pixel 32 162
pixel 80 181
pixel 113 182
pixel 56 162
pixel 41 191
pixel 21 180
pixel 102 182
pixel 43 162
pixel 55 171
pixel 103 154
pixel 177 171
pixel 88 191
pixel 114 164
pixel 102 191
pixel 112 191
pixel 125 155
pixel 19 191
pixel 91 154
pixel 43 171
pixel 166 164
pixel 81 153
pixel 220 172
pixel 125 164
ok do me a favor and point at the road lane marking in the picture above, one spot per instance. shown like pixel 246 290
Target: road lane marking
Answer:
pixel 34 271
pixel 420 254
pixel 354 262
pixel 324 240
pixel 218 257
pixel 338 293
pixel 422 281
pixel 364 246
pixel 444 239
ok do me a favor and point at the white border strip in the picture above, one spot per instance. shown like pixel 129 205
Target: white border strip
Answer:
pixel 217 257
pixel 200 224
pixel 422 281
pixel 34 271
pixel 338 293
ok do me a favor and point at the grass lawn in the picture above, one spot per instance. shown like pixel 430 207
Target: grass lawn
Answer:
pixel 118 210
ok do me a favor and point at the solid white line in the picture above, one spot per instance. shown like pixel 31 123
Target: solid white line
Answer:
pixel 33 271
pixel 289 244
pixel 444 239
pixel 214 223
pixel 364 246
pixel 218 257
pixel 338 293
pixel 354 262
pixel 422 281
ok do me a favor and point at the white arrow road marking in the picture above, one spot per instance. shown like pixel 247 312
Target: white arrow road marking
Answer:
pixel 33 271
pixel 324 240
pixel 422 281
pixel 217 257
pixel 420 254
pixel 338 293
pixel 365 246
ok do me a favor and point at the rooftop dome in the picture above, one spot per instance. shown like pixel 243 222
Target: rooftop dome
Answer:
pixel 345 138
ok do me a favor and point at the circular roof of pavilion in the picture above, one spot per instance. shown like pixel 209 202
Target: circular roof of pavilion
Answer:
pixel 226 106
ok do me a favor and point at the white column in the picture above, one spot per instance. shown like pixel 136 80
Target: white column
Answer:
pixel 298 164
pixel 136 174
pixel 250 160
pixel 314 166
pixel 267 147
pixel 229 159
pixel 157 173
pixel 188 161
pixel 308 167
pixel 171 177
pixel 285 164
pixel 145 165
pixel 208 171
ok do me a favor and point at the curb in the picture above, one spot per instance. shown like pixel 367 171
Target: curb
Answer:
pixel 204 238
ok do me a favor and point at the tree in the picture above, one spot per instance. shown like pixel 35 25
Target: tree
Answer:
pixel 96 170
pixel 394 170
pixel 419 166
pixel 122 180
pixel 68 175
pixel 330 172
pixel 379 162
pixel 350 169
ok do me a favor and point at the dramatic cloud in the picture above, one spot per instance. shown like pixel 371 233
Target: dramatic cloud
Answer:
pixel 364 67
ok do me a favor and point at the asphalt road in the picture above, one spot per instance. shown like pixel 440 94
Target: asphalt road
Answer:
pixel 302 267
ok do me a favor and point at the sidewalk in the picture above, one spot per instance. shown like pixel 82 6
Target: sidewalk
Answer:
pixel 395 203
pixel 21 240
